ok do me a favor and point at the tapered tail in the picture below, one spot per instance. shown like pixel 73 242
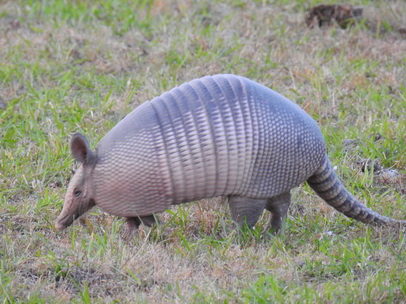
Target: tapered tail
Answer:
pixel 327 185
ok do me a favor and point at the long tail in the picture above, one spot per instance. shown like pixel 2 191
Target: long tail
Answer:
pixel 327 185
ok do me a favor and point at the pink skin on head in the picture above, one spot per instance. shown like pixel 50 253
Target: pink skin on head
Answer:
pixel 78 197
pixel 71 206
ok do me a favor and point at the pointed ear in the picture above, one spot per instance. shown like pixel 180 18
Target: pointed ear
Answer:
pixel 81 150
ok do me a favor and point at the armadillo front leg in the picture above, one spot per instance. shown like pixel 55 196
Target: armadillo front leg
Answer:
pixel 278 206
pixel 246 210
pixel 130 227
pixel 132 224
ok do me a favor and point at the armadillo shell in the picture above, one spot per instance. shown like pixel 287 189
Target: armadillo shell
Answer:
pixel 217 135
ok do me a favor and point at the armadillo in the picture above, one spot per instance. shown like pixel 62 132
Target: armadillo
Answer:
pixel 221 135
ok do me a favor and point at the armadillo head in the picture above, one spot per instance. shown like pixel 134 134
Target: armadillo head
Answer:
pixel 79 197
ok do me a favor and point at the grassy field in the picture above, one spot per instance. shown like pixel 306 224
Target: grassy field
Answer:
pixel 81 66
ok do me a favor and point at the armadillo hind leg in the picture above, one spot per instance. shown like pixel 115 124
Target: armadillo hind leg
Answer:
pixel 278 206
pixel 245 210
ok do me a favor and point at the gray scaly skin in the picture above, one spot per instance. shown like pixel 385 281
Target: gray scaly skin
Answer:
pixel 221 135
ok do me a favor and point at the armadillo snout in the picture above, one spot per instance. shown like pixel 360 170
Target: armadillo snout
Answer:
pixel 59 226
pixel 63 222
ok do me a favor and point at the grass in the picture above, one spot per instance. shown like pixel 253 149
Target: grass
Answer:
pixel 81 66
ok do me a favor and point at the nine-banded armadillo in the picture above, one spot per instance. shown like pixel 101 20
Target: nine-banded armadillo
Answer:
pixel 221 135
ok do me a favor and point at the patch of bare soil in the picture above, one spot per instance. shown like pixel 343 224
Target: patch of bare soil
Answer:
pixel 344 15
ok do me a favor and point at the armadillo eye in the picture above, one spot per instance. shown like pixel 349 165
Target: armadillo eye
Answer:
pixel 77 192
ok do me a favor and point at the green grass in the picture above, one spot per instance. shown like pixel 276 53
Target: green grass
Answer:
pixel 81 66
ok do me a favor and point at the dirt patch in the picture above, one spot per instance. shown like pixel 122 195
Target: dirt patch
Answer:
pixel 344 15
